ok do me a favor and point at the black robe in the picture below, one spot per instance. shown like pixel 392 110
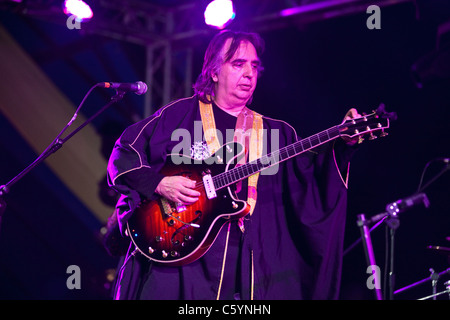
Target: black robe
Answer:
pixel 294 236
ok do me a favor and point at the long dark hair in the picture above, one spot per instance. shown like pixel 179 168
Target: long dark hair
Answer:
pixel 204 86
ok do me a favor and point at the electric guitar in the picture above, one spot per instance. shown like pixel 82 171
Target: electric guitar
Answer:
pixel 174 235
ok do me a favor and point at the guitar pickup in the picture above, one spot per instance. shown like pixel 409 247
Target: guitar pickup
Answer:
pixel 209 186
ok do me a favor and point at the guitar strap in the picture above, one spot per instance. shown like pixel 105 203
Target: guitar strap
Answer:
pixel 248 132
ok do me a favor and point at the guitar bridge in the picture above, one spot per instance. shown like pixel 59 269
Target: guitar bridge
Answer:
pixel 166 207
pixel 209 186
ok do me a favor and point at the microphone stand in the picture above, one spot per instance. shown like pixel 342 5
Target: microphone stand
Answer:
pixel 434 295
pixel 391 218
pixel 392 222
pixel 368 250
pixel 56 144
pixel 434 277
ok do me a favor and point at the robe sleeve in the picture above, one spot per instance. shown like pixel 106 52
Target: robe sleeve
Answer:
pixel 317 202
pixel 129 165
pixel 139 155
pixel 129 170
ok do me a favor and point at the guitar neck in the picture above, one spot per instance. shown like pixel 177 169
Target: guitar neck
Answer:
pixel 238 173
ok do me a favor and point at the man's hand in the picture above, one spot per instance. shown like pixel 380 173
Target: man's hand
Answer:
pixel 351 114
pixel 178 189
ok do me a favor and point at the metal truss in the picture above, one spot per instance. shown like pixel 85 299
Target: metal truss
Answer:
pixel 169 29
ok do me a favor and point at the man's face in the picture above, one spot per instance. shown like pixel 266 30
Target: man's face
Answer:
pixel 237 77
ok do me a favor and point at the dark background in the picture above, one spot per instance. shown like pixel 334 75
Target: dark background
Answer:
pixel 313 74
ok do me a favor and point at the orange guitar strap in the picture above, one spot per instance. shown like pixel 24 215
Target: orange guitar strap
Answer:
pixel 209 127
pixel 248 132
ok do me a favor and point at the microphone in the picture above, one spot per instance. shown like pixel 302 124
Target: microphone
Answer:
pixel 138 87
pixel 394 208
pixel 404 204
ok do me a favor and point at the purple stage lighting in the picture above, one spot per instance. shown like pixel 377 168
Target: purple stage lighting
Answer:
pixel 219 12
pixel 78 8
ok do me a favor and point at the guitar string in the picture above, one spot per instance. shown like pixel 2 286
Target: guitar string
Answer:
pixel 285 151
pixel 257 165
pixel 241 174
pixel 238 173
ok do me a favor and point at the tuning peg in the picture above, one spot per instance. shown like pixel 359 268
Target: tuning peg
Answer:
pixel 383 133
pixel 372 136
pixel 360 139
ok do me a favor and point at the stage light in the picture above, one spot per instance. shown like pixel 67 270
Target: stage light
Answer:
pixel 78 8
pixel 219 13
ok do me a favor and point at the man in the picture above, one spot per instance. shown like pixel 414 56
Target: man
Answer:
pixel 289 246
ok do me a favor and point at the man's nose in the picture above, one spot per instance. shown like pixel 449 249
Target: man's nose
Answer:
pixel 249 71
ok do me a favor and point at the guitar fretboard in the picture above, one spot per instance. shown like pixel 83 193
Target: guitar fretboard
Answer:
pixel 238 173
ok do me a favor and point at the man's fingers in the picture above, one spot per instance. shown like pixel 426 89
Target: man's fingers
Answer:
pixel 178 189
pixel 188 195
pixel 191 192
pixel 186 199
pixel 352 114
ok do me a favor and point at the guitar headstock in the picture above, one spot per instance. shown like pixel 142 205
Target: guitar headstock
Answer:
pixel 371 124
